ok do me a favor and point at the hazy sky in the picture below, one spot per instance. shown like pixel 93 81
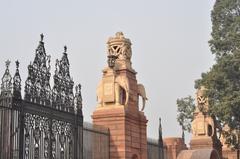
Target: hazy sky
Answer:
pixel 169 37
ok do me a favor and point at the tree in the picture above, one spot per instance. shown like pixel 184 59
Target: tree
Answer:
pixel 185 108
pixel 225 27
pixel 223 84
pixel 223 79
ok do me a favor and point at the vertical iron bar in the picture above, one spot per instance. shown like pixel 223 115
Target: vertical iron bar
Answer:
pixel 75 134
pixel 50 138
pixel 21 133
pixel 11 131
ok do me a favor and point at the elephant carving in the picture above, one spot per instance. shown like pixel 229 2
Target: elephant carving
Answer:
pixel 203 126
pixel 141 92
pixel 120 88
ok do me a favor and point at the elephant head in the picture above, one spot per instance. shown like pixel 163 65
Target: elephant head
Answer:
pixel 142 93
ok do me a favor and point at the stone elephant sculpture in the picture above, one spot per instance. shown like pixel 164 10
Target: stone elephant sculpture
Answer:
pixel 120 82
pixel 205 124
pixel 141 92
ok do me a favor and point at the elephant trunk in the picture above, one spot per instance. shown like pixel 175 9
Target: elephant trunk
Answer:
pixel 143 102
pixel 127 98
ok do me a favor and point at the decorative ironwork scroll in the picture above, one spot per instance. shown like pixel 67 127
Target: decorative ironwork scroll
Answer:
pixel 63 85
pixel 37 86
pixel 78 100
pixel 6 86
pixel 37 131
pixel 9 122
pixel 62 132
pixel 17 83
pixel 47 123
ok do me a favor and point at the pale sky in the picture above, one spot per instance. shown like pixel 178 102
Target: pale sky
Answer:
pixel 169 37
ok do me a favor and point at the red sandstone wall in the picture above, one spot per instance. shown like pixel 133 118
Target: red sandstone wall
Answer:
pixel 174 146
pixel 127 132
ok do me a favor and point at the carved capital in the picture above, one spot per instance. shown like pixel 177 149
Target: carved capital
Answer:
pixel 119 46
pixel 202 100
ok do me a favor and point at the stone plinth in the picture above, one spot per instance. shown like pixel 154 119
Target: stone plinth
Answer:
pixel 174 146
pixel 202 143
pixel 127 131
pixel 204 133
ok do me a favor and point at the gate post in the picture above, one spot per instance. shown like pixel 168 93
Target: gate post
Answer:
pixel 118 103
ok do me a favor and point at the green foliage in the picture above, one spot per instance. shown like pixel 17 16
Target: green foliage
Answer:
pixel 223 79
pixel 185 108
pixel 225 27
pixel 223 83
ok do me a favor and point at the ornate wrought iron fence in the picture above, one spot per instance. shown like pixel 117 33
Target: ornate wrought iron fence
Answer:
pixel 48 122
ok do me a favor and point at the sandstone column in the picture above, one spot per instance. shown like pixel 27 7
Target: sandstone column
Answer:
pixel 204 135
pixel 118 103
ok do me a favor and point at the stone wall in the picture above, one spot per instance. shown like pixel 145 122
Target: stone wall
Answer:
pixel 95 142
pixel 174 146
pixel 154 151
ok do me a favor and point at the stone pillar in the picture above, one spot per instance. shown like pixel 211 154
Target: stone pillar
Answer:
pixel 204 135
pixel 117 108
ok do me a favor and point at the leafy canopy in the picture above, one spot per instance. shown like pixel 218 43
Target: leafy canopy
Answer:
pixel 225 27
pixel 223 83
pixel 223 79
pixel 185 108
